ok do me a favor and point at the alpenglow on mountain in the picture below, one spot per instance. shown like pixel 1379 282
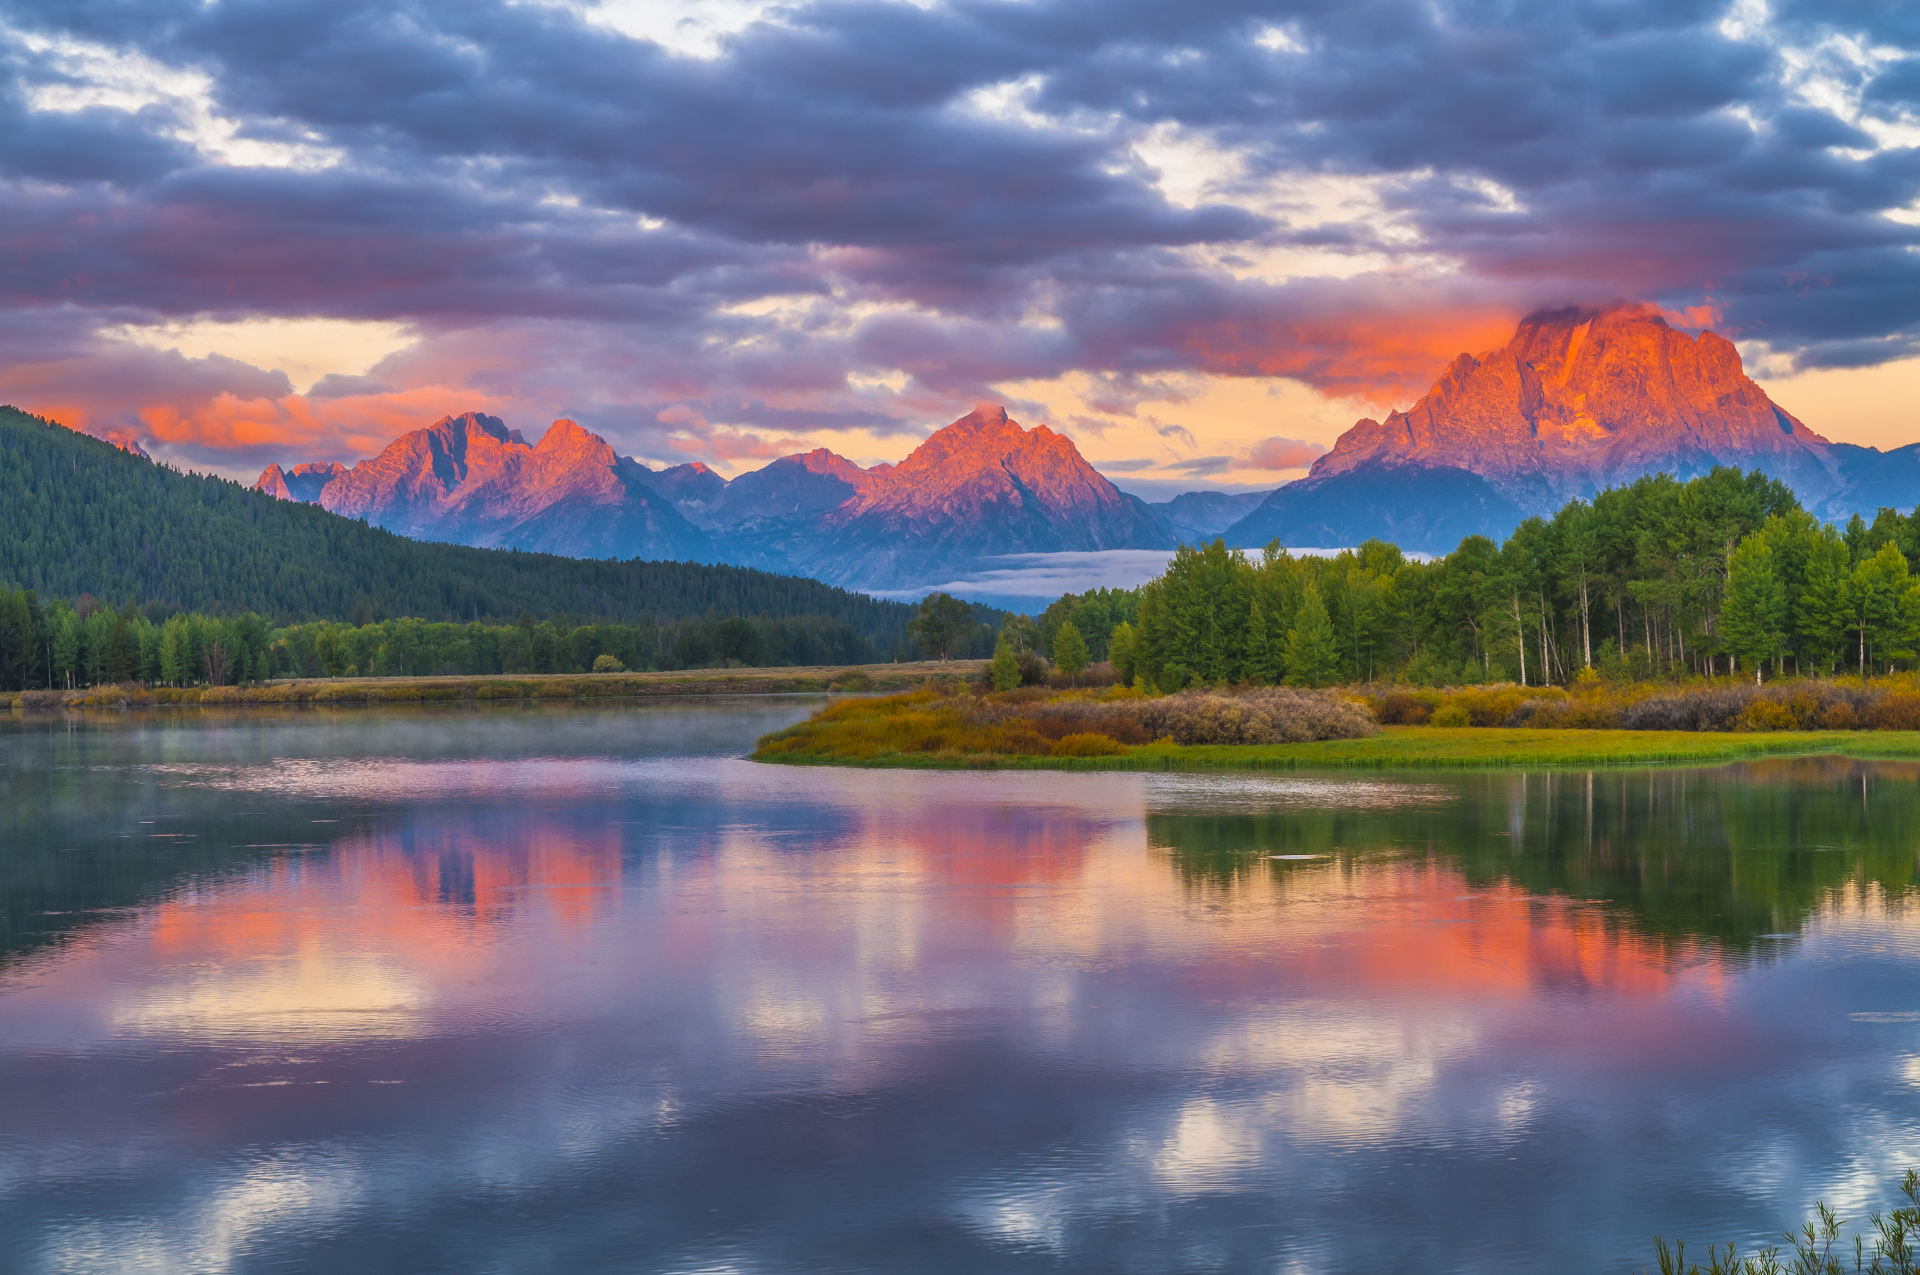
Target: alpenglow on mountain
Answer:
pixel 1577 401
pixel 975 491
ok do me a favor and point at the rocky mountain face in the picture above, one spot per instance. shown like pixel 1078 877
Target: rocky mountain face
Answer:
pixel 979 489
pixel 471 480
pixel 1578 400
pixel 982 487
pixel 302 483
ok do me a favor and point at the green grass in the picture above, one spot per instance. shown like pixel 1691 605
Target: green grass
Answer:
pixel 533 686
pixel 1428 747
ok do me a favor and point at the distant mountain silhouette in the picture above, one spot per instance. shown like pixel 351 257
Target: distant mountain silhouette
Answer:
pixel 1195 517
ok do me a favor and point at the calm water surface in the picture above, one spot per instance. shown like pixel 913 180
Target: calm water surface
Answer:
pixel 577 990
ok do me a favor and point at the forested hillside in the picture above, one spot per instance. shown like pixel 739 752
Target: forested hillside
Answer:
pixel 78 516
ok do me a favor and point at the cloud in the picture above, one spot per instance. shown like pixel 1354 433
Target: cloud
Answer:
pixel 1282 453
pixel 850 218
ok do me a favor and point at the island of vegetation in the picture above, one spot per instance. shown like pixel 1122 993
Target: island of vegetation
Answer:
pixel 1661 622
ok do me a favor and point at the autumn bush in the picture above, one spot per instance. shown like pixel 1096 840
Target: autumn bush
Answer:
pixel 1087 744
pixel 1726 704
pixel 1405 708
pixel 1033 722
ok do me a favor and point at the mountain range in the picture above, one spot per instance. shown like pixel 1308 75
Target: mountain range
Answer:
pixel 1577 400
pixel 978 489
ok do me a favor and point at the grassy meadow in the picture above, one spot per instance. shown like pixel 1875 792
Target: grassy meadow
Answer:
pixel 1120 729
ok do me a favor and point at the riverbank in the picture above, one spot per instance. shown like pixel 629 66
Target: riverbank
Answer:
pixel 535 686
pixel 932 731
pixel 1417 747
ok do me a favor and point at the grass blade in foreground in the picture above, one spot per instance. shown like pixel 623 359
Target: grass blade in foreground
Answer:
pixel 1818 1247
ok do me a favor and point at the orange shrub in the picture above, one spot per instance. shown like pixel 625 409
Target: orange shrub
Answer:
pixel 1839 716
pixel 1897 710
pixel 1405 708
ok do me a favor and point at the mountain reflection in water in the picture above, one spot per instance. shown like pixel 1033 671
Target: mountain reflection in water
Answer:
pixel 577 989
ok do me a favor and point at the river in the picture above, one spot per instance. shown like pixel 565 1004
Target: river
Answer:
pixel 579 989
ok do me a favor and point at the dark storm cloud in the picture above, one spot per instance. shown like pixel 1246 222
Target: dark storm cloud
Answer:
pixel 483 165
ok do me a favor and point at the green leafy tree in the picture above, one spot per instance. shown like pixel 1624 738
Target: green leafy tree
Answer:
pixel 122 647
pixel 1882 610
pixel 941 625
pixel 1823 613
pixel 330 648
pixel 176 657
pixel 1021 632
pixel 1005 669
pixel 66 648
pixel 1312 658
pixel 1753 617
pixel 1120 650
pixel 1069 649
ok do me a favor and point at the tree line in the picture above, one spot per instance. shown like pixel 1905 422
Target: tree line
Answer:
pixel 1659 578
pixel 62 645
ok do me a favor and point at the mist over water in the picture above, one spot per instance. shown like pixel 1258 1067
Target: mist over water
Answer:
pixel 578 989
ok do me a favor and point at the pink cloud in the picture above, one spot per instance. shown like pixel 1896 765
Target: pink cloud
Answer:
pixel 1283 453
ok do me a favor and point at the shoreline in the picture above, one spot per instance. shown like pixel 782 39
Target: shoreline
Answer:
pixel 1420 748
pixel 503 688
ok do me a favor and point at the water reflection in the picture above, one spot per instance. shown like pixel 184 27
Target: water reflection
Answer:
pixel 577 989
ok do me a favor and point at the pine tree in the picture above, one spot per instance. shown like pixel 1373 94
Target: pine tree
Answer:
pixel 1312 659
pixel 1257 663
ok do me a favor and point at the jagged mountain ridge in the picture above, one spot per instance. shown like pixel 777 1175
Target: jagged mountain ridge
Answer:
pixel 1009 490
pixel 470 480
pixel 977 489
pixel 1577 401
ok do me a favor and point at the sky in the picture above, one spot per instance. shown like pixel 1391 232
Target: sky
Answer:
pixel 1200 238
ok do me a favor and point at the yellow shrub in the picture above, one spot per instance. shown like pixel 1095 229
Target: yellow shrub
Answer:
pixel 1451 715
pixel 1766 714
pixel 1087 744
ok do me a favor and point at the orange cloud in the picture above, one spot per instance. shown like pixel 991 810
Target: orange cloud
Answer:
pixel 298 428
pixel 735 444
pixel 1283 453
pixel 1386 359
